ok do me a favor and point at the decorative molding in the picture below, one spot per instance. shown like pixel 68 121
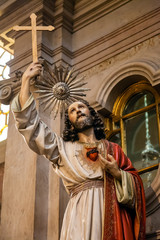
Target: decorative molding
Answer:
pixel 110 45
pixel 41 49
pixel 140 24
pixel 9 88
pixel 148 67
pixel 118 41
pixel 5 3
pixel 62 50
pixel 44 16
pixel 14 14
pixel 63 14
pixel 86 12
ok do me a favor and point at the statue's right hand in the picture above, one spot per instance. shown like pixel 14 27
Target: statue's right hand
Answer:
pixel 32 71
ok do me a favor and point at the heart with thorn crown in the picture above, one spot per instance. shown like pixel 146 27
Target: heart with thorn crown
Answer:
pixel 92 153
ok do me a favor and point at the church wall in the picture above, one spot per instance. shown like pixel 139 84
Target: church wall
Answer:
pixel 2 160
pixel 17 215
pixel 97 39
pixel 2 150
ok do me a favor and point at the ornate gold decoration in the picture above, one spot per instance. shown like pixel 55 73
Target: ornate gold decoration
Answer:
pixel 128 93
pixel 5 91
pixel 7 42
pixel 6 120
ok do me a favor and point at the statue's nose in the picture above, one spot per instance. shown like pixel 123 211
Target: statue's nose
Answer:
pixel 78 111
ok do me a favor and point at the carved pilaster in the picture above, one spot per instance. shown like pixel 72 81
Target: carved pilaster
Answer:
pixel 9 88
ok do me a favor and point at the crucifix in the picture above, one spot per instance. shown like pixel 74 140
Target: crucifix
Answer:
pixel 34 28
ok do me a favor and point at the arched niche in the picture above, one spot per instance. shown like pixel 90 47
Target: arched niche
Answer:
pixel 125 75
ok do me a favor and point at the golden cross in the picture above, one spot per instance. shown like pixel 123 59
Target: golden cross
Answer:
pixel 34 28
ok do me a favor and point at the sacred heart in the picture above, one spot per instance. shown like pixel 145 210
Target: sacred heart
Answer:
pixel 92 153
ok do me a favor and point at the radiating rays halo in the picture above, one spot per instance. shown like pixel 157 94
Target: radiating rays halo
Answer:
pixel 58 88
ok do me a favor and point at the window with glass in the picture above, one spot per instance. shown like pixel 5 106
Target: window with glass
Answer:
pixel 135 126
pixel 5 56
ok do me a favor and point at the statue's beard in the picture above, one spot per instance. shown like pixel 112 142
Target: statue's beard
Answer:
pixel 87 123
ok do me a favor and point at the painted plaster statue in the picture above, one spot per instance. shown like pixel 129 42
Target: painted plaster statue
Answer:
pixel 106 193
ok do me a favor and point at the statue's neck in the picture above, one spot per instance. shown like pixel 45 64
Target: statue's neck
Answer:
pixel 87 136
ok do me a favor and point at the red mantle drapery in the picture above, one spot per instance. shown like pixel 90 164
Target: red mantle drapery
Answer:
pixel 120 222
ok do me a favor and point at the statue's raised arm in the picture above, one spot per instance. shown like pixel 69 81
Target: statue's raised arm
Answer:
pixel 36 133
pixel 31 72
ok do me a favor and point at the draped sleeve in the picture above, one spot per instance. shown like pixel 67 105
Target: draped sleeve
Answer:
pixel 36 133
pixel 125 189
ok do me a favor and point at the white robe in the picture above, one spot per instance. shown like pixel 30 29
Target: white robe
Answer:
pixel 84 214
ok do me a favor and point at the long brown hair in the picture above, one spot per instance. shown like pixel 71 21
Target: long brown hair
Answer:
pixel 70 134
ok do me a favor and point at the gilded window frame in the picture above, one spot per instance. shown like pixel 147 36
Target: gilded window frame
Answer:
pixel 117 114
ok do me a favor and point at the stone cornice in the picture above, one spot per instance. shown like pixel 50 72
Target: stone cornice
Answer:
pixel 44 17
pixel 63 50
pixel 127 40
pixel 63 15
pixel 60 10
pixel 86 12
pixel 15 14
pixel 118 41
pixel 109 45
pixel 142 23
pixel 41 49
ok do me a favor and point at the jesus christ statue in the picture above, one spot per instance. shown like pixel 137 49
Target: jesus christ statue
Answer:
pixel 106 193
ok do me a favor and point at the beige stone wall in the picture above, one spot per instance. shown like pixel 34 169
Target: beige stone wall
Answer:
pixel 2 160
pixel 1 182
pixel 107 41
pixel 2 151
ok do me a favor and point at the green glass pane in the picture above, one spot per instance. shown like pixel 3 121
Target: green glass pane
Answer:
pixel 139 101
pixel 142 139
pixel 116 138
pixel 117 125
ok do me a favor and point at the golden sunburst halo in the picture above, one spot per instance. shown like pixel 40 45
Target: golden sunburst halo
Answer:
pixel 59 87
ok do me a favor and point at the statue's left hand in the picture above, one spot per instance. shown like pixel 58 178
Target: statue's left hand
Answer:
pixel 110 165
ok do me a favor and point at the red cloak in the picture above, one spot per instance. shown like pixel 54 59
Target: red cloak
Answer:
pixel 120 222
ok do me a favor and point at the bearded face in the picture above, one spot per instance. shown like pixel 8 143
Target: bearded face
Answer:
pixel 79 116
pixel 84 124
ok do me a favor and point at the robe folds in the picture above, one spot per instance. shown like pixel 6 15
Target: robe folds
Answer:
pixel 125 223
pixel 100 207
